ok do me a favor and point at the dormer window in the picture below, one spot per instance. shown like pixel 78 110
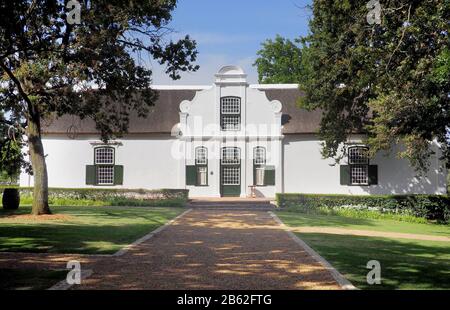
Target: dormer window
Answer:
pixel 230 113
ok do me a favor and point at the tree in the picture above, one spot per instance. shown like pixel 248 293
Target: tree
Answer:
pixel 390 80
pixel 279 61
pixel 11 155
pixel 51 63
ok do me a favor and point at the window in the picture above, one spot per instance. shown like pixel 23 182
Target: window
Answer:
pixel 202 176
pixel 259 176
pixel 104 165
pixel 231 156
pixel 105 175
pixel 230 113
pixel 201 163
pixel 201 155
pixel 358 159
pixel 259 155
pixel 231 175
pixel 259 166
pixel 104 156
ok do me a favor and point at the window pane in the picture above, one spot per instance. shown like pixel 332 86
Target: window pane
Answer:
pixel 231 122
pixel 230 105
pixel 104 155
pixel 358 155
pixel 259 155
pixel 231 155
pixel 260 176
pixel 202 176
pixel 105 175
pixel 359 174
pixel 201 156
pixel 231 176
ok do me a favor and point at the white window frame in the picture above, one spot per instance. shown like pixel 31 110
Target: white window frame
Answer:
pixel 257 158
pixel 235 159
pixel 230 113
pixel 201 155
pixel 104 159
pixel 259 176
pixel 358 160
pixel 202 176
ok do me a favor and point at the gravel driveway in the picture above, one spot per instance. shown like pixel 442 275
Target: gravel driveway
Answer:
pixel 208 249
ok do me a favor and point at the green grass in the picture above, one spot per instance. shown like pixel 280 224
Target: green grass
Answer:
pixel 93 230
pixel 306 219
pixel 405 264
pixel 30 279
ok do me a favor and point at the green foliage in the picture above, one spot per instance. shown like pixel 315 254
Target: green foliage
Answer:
pixel 109 197
pixel 11 156
pixel 429 207
pixel 389 80
pixel 279 61
pixel 91 70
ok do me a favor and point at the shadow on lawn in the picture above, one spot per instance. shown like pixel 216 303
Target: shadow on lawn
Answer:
pixel 71 238
pixel 405 264
pixel 294 218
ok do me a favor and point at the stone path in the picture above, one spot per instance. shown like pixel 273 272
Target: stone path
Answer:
pixel 367 233
pixel 206 249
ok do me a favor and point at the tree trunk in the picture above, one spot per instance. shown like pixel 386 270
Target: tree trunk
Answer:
pixel 40 191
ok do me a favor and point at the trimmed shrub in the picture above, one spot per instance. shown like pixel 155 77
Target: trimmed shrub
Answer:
pixel 11 199
pixel 110 197
pixel 430 207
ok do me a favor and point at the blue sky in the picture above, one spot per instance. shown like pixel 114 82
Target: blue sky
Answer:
pixel 231 32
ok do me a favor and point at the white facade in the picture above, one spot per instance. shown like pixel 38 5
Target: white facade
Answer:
pixel 292 162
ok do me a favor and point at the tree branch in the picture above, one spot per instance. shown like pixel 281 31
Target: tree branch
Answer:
pixel 19 88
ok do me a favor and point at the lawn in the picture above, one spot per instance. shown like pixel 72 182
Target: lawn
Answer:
pixel 30 279
pixel 405 263
pixel 88 230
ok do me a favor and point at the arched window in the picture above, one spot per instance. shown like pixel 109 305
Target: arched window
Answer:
pixel 358 160
pixel 104 159
pixel 201 155
pixel 201 163
pixel 259 155
pixel 230 113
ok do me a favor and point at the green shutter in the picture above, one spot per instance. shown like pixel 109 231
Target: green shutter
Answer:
pixel 373 175
pixel 191 175
pixel 345 174
pixel 269 175
pixel 90 175
pixel 118 175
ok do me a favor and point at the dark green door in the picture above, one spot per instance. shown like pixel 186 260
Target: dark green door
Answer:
pixel 231 181
pixel 230 172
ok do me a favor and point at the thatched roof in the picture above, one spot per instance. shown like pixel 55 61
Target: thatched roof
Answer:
pixel 165 114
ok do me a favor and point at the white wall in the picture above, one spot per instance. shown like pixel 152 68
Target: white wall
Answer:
pixel 305 171
pixel 148 161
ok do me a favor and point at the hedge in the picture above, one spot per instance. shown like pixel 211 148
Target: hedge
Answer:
pixel 110 196
pixel 430 207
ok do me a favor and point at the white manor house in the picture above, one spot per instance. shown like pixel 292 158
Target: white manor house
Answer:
pixel 226 139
